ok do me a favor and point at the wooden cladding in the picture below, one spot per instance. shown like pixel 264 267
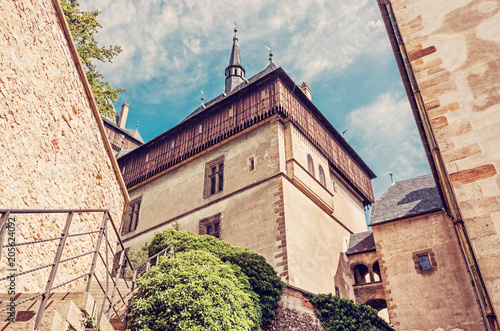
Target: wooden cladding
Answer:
pixel 214 124
pixel 224 118
pixel 324 141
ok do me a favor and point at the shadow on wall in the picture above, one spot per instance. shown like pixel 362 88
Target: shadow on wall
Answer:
pixel 343 273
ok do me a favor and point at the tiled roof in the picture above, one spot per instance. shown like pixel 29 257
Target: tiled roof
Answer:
pixel 361 242
pixel 129 132
pixel 405 199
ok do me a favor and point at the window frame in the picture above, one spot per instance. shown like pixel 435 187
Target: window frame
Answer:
pixel 418 264
pixel 131 219
pixel 206 224
pixel 214 177
pixel 310 165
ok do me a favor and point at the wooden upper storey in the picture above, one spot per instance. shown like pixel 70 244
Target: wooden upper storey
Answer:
pixel 269 92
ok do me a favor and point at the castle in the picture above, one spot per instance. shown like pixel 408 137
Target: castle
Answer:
pixel 259 167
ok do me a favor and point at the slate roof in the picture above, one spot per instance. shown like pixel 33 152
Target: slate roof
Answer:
pixel 407 198
pixel 361 242
pixel 129 132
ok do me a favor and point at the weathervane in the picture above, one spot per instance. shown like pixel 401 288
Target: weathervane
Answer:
pixel 202 98
pixel 270 54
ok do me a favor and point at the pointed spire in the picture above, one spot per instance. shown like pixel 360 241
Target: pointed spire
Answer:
pixel 235 74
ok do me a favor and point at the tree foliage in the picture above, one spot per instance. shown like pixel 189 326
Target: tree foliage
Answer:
pixel 339 314
pixel 83 25
pixel 261 276
pixel 195 290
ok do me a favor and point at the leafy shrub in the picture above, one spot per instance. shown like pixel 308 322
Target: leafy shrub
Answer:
pixel 262 277
pixel 194 291
pixel 339 314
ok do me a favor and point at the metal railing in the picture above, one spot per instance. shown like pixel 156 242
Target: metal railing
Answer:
pixel 103 237
pixel 169 250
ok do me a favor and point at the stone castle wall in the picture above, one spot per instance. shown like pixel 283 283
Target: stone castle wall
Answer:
pixel 52 147
pixel 454 48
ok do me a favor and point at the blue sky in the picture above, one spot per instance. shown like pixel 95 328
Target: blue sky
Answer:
pixel 174 49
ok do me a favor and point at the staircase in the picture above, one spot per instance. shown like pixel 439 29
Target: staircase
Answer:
pixel 119 322
pixel 64 309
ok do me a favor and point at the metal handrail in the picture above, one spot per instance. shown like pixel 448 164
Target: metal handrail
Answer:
pixel 50 286
pixel 148 262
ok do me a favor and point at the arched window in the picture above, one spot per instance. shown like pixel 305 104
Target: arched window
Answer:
pixel 322 178
pixel 376 272
pixel 361 274
pixel 310 164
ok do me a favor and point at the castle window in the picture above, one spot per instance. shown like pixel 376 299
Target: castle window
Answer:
pixel 263 95
pixel 322 178
pixel 310 164
pixel 230 112
pixel 132 217
pixel 214 177
pixel 200 129
pixel 251 164
pixel 210 226
pixel 173 144
pixel 424 261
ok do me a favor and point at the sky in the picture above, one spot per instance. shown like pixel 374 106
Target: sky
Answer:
pixel 173 50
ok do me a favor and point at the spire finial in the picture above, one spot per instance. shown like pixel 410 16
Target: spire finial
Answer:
pixel 235 30
pixel 392 179
pixel 202 98
pixel 137 126
pixel 270 54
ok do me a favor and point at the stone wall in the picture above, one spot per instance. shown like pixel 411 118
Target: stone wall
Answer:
pixel 295 313
pixel 454 48
pixel 425 299
pixel 53 150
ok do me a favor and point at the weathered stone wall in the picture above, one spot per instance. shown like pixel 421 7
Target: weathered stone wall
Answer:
pixel 52 150
pixel 295 313
pixel 425 299
pixel 454 48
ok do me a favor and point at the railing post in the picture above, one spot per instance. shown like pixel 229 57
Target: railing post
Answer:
pixel 117 278
pixel 107 276
pixel 3 227
pixel 98 246
pixel 53 271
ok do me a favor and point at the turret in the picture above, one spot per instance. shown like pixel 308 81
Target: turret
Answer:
pixel 235 74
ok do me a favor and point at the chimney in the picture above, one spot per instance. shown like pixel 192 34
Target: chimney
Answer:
pixel 306 89
pixel 123 116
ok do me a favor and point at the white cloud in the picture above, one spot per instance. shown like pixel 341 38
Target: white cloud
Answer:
pixel 385 135
pixel 168 40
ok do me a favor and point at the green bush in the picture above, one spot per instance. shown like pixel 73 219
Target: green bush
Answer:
pixel 194 291
pixel 339 314
pixel 262 277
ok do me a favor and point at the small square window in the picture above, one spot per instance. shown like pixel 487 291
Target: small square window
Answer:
pixel 210 226
pixel 424 261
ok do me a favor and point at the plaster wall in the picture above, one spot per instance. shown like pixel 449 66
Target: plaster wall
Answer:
pixel 53 148
pixel 316 244
pixel 179 191
pixel 454 48
pixel 346 206
pixel 425 299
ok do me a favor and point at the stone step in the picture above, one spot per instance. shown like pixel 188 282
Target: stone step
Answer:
pixel 63 309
